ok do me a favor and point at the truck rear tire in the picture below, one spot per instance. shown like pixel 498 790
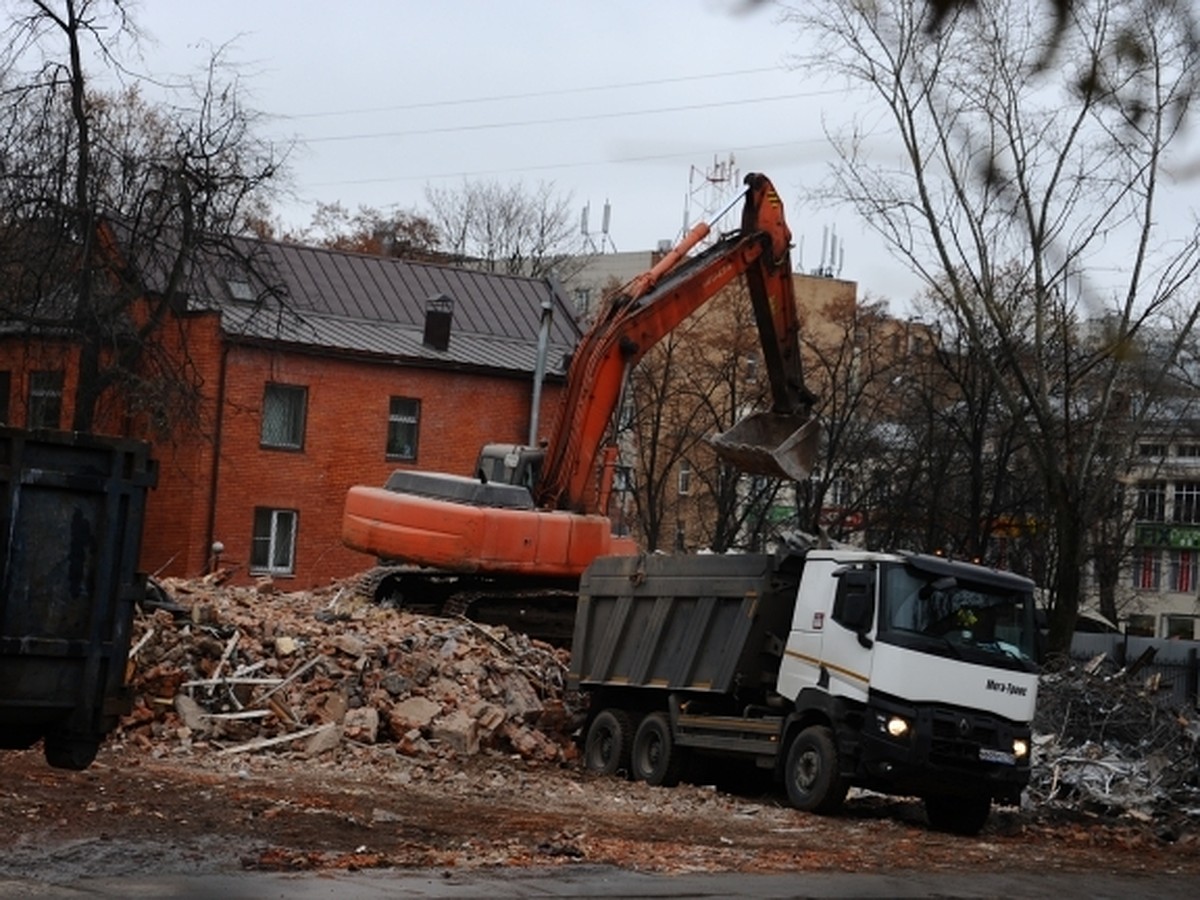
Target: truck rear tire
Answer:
pixel 958 815
pixel 812 772
pixel 75 752
pixel 655 759
pixel 608 742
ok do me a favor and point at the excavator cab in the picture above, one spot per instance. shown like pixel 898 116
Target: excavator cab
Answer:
pixel 509 464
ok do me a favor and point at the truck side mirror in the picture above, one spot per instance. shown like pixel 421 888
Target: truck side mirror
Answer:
pixel 854 605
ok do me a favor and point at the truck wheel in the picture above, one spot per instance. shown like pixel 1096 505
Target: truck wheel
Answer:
pixel 655 759
pixel 812 772
pixel 958 815
pixel 70 751
pixel 606 748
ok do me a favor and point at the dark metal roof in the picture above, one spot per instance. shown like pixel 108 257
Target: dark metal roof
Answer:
pixel 348 302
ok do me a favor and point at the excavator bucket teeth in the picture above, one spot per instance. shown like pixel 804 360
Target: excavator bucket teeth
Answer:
pixel 782 446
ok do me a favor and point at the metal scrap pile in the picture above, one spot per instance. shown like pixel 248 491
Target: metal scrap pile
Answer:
pixel 240 670
pixel 1105 744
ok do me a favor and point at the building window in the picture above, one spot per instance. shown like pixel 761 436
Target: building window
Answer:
pixel 1183 627
pixel 274 546
pixel 1187 502
pixel 1140 626
pixel 1188 451
pixel 404 415
pixel 1152 501
pixel 622 479
pixel 1147 569
pixel 752 368
pixel 685 478
pixel 1181 572
pixel 45 399
pixel 1152 451
pixel 283 416
pixel 841 493
pixel 5 388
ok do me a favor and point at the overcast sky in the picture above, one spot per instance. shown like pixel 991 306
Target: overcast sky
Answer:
pixel 619 102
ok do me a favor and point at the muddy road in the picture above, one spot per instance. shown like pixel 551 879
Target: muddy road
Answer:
pixel 134 814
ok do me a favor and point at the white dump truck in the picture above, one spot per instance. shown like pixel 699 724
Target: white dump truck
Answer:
pixel 903 673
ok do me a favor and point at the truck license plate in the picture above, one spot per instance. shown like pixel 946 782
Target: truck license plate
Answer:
pixel 997 756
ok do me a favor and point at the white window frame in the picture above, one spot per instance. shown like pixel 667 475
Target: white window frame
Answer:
pixel 1147 569
pixel 275 533
pixel 1186 509
pixel 1152 501
pixel 45 396
pixel 403 418
pixel 684 485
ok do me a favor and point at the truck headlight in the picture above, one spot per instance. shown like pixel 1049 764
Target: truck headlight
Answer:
pixel 1020 748
pixel 897 727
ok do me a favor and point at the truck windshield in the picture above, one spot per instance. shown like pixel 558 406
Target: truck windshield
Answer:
pixel 973 620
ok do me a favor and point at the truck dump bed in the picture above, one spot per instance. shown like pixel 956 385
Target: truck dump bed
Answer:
pixel 71 514
pixel 691 623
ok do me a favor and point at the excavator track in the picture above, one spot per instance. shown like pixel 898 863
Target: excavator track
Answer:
pixel 542 609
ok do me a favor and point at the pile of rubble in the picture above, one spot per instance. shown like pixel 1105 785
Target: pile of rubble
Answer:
pixel 1105 742
pixel 238 670
pixel 242 669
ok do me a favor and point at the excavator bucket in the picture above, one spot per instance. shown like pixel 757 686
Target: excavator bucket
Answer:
pixel 766 443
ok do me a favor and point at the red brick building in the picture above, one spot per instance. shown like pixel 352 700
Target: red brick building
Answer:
pixel 320 370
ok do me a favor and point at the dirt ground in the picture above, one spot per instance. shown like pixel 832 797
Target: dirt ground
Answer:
pixel 315 732
pixel 369 807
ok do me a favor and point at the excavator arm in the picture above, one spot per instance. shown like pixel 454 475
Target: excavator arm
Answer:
pixel 780 442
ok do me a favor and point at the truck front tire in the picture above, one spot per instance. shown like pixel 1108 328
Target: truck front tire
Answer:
pixel 958 815
pixel 655 759
pixel 607 745
pixel 812 772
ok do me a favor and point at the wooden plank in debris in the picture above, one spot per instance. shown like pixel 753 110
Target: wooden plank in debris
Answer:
pixel 241 714
pixel 1141 662
pixel 296 673
pixel 230 679
pixel 263 743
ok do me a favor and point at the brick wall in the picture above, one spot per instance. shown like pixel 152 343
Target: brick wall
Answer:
pixel 344 444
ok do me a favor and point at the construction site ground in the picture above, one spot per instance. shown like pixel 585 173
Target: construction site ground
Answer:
pixel 132 813
pixel 461 766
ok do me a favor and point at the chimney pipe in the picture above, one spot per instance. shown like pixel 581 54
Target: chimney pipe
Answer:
pixel 439 312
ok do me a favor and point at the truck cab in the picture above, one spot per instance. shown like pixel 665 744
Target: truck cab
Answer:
pixel 923 668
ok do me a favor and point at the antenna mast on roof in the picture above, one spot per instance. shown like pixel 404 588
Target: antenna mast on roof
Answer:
pixel 589 237
pixel 709 191
pixel 833 254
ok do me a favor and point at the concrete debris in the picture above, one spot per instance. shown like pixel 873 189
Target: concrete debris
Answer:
pixel 258 670
pixel 1105 744
pixel 247 670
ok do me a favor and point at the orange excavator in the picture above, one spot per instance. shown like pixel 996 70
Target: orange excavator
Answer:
pixel 534 516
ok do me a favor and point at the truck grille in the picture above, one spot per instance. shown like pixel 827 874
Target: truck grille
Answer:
pixel 958 736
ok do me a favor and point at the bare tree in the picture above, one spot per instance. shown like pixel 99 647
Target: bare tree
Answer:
pixel 695 383
pixel 1000 163
pixel 403 234
pixel 109 202
pixel 507 228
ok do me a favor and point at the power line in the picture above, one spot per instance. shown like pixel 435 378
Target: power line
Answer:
pixel 559 92
pixel 558 120
pixel 582 164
